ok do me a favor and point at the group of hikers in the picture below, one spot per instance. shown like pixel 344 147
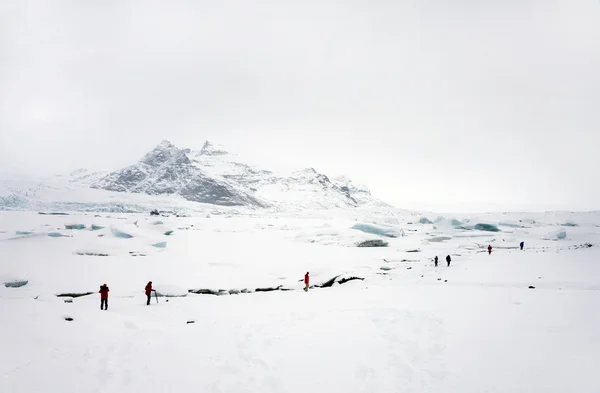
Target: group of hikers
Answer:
pixel 148 289
pixel 448 260
pixel 104 294
pixel 489 248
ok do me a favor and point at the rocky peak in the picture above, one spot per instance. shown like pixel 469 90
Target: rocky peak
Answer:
pixel 212 150
pixel 164 152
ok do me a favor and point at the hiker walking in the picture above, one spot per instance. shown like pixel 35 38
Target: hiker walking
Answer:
pixel 149 291
pixel 103 296
pixel 521 245
pixel 435 260
pixel 490 249
pixel 306 282
pixel 448 259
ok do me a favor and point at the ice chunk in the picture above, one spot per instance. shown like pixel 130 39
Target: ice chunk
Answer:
pixel 157 223
pixel 23 233
pixel 443 220
pixel 486 227
pixel 169 233
pixel 57 234
pixel 378 230
pixel 75 226
pixel 120 234
pixel 425 220
pixel 570 224
pixel 559 234
pixel 160 245
pixel 372 243
pixel 96 227
pixel 15 283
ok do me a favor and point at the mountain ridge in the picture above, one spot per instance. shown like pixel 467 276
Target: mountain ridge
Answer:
pixel 212 175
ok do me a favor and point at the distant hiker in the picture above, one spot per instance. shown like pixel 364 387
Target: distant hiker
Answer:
pixel 306 281
pixel 490 249
pixel 103 297
pixel 149 291
pixel 521 245
pixel 448 259
pixel 435 260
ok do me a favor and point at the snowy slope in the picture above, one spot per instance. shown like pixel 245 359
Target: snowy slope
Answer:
pixel 472 327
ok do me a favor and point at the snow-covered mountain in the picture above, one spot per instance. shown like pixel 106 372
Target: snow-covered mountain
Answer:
pixel 169 170
pixel 212 175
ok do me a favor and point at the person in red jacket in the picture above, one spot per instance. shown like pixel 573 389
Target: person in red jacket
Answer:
pixel 490 249
pixel 103 297
pixel 306 281
pixel 149 291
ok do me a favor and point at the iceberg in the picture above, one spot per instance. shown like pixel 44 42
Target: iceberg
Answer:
pixel 486 228
pixel 57 234
pixel 96 227
pixel 443 220
pixel 425 220
pixel 559 234
pixel 120 234
pixel 160 245
pixel 15 283
pixel 169 233
pixel 377 230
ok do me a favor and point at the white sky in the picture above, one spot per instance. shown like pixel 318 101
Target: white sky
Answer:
pixel 433 104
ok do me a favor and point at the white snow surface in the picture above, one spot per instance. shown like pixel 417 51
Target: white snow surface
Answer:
pixel 472 327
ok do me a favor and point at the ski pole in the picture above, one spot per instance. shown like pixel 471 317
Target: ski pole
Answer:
pixel 156 296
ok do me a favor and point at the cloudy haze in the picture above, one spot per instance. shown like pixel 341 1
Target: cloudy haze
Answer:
pixel 432 104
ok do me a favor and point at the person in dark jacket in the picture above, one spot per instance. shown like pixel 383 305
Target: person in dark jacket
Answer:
pixel 490 249
pixel 435 260
pixel 521 245
pixel 306 282
pixel 149 291
pixel 448 259
pixel 104 297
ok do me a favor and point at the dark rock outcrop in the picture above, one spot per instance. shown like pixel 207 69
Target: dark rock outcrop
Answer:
pixel 373 243
pixel 74 294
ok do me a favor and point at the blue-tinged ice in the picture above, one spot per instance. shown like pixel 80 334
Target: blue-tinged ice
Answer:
pixel 120 234
pixel 160 245
pixel 23 233
pixel 559 234
pixel 96 227
pixel 169 233
pixel 378 230
pixel 486 228
pixel 157 223
pixel 57 234
pixel 15 283
pixel 425 220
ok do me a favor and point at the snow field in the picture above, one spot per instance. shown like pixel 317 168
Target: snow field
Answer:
pixel 410 327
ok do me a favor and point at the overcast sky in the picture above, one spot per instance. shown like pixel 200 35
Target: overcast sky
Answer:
pixel 430 103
